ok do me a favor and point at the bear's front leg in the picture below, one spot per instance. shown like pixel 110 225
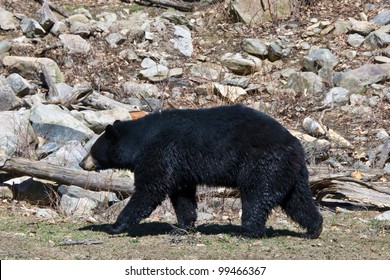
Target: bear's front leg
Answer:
pixel 140 206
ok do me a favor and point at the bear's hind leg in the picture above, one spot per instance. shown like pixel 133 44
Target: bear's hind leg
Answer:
pixel 255 211
pixel 184 203
pixel 301 208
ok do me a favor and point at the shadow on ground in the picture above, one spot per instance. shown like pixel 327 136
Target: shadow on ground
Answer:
pixel 158 228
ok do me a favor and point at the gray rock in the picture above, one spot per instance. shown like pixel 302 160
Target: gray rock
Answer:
pixel 378 39
pixel 31 28
pixel 129 55
pixel 336 96
pixel 386 169
pixel 356 80
pixel 77 207
pixel 177 17
pixel 148 63
pixel 31 67
pixel 231 93
pixel 318 59
pixel 46 213
pixel 58 28
pixel 182 40
pixel 306 82
pixel 382 18
pixel 361 110
pixel 77 18
pixel 382 59
pixel 69 155
pixel 8 99
pixel 257 11
pixel 238 81
pixel 254 47
pixel 16 134
pixel 7 22
pixel 287 72
pixel 312 127
pixel 77 201
pixel 57 125
pixel 241 64
pixel 176 72
pixel 385 216
pixel 108 17
pixel 355 40
pixel 207 71
pixel 386 51
pixel 83 29
pixel 141 89
pixel 47 149
pixel 64 90
pixel 155 74
pixel 46 18
pixel 382 134
pixel 19 85
pixel 5 192
pixel 98 120
pixel 115 39
pixel 204 216
pixel 275 52
pixel 5 46
pixel 83 11
pixel 75 43
pixel 341 26
pixel 357 99
pixel 361 27
pixel 101 197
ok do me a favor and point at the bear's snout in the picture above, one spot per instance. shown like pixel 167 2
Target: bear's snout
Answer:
pixel 88 163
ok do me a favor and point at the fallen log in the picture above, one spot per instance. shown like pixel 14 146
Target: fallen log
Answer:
pixel 98 101
pixel 181 6
pixel 325 186
pixel 68 176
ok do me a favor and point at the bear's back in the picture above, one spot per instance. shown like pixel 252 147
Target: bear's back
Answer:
pixel 225 127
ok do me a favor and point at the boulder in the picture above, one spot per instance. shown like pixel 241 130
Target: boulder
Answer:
pixel 57 125
pixel 16 134
pixel 318 59
pixel 241 64
pixel 356 80
pixel 31 67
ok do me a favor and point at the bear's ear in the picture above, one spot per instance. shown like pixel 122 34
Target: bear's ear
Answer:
pixel 117 121
pixel 111 132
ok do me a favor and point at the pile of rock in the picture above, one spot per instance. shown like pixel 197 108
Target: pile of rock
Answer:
pixel 57 125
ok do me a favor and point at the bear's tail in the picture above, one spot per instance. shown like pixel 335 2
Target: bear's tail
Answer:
pixel 301 207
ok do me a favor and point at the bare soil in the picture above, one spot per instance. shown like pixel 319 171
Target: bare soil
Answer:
pixel 346 235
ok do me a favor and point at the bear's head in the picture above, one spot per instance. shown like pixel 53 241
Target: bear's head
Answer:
pixel 102 151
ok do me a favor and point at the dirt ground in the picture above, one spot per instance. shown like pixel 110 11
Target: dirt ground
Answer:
pixel 346 235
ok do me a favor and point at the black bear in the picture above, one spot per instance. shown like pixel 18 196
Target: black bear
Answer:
pixel 173 151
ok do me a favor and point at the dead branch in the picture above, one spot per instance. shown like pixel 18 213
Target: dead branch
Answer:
pixel 68 176
pixel 80 242
pixel 101 102
pixel 54 7
pixel 185 7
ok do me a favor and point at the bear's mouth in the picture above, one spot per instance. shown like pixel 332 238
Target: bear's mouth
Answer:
pixel 89 164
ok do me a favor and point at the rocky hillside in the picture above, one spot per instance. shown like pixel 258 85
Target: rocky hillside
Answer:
pixel 70 68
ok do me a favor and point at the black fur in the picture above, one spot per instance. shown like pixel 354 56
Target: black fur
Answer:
pixel 173 151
